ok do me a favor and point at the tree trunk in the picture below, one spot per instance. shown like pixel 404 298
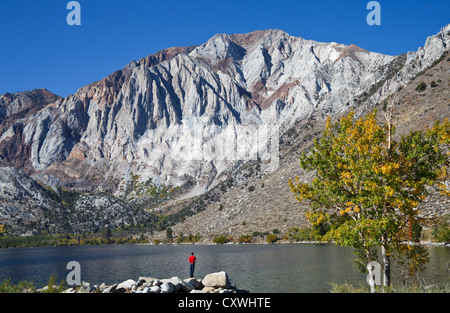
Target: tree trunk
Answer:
pixel 386 267
pixel 374 270
pixel 371 278
pixel 386 259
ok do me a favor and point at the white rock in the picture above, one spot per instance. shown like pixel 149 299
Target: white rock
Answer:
pixel 157 283
pixel 128 284
pixel 186 287
pixel 84 288
pixel 110 288
pixel 194 282
pixel 217 280
pixel 146 279
pixel 167 287
pixel 175 281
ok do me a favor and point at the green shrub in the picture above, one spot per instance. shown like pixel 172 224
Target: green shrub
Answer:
pixel 300 234
pixel 28 287
pixel 271 238
pixel 189 239
pixel 53 286
pixel 245 239
pixel 433 84
pixel 220 240
pixel 260 234
pixel 169 233
pixel 24 286
pixel 421 87
pixel 416 230
pixel 441 233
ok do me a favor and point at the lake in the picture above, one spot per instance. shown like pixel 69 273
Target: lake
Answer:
pixel 281 268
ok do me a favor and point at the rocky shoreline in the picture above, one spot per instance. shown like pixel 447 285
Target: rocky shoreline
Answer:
pixel 212 283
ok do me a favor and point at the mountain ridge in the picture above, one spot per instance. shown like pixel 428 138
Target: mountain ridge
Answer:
pixel 139 119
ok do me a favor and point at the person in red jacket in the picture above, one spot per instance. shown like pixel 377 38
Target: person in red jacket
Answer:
pixel 192 261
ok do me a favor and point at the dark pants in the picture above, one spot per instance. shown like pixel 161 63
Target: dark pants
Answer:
pixel 192 268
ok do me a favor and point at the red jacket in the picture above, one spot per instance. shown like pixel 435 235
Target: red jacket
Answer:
pixel 192 259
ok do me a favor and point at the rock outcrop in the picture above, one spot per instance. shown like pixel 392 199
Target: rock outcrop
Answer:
pixel 212 283
pixel 142 118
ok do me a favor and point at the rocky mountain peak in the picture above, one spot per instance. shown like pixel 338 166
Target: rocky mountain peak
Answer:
pixel 143 117
pixel 442 38
pixel 434 45
pixel 11 103
pixel 106 90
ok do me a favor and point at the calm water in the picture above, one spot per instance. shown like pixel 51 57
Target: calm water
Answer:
pixel 257 268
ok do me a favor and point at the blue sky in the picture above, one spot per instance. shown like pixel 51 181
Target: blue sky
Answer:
pixel 38 49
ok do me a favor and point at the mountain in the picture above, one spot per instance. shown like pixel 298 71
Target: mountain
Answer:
pixel 165 118
pixel 252 202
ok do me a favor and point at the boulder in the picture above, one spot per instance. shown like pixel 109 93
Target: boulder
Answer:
pixel 110 289
pixel 85 288
pixel 178 284
pixel 45 288
pixel 185 286
pixel 128 284
pixel 146 280
pixel 102 287
pixel 155 289
pixel 157 282
pixel 175 281
pixel 217 280
pixel 208 289
pixel 194 282
pixel 167 287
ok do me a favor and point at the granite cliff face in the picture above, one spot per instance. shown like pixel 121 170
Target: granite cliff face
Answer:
pixel 149 117
pixel 136 118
